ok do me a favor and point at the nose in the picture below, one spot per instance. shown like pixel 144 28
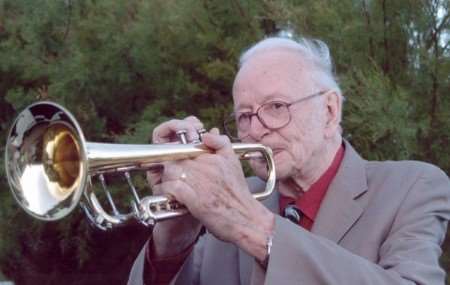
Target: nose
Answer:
pixel 257 130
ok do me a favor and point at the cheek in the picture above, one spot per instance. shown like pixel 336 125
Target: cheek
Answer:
pixel 298 151
pixel 295 159
pixel 295 140
pixel 302 139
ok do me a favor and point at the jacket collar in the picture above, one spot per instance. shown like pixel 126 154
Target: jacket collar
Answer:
pixel 341 208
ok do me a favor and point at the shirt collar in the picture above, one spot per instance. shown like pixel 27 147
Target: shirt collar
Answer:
pixel 309 202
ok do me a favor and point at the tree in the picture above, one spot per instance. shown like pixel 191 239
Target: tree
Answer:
pixel 124 66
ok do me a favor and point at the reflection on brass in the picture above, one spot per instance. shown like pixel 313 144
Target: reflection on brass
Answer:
pixel 61 156
pixel 50 166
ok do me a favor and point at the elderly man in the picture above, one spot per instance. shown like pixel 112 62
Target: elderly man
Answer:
pixel 350 221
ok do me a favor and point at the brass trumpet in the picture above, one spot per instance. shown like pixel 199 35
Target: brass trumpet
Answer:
pixel 50 165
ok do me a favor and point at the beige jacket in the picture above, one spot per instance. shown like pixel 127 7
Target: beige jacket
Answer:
pixel 379 223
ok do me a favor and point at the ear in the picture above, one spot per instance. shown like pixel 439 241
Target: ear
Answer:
pixel 333 112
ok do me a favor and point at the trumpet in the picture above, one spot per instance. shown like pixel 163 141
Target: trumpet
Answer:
pixel 50 167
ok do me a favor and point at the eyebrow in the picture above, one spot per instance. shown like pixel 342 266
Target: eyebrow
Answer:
pixel 271 97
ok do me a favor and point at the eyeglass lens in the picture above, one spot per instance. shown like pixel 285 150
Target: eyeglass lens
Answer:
pixel 272 115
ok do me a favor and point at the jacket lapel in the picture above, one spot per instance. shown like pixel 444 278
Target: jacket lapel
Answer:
pixel 340 208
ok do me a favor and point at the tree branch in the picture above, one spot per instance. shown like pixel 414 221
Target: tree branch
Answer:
pixel 368 28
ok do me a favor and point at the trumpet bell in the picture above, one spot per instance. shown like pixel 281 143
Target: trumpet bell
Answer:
pixel 45 161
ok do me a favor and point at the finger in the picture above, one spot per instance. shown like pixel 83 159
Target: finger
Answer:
pixel 157 189
pixel 177 189
pixel 208 159
pixel 166 132
pixel 193 134
pixel 154 177
pixel 214 131
pixel 193 119
pixel 200 167
pixel 220 144
pixel 174 170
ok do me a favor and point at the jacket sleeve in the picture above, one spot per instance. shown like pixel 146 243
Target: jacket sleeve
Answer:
pixel 136 276
pixel 189 272
pixel 409 254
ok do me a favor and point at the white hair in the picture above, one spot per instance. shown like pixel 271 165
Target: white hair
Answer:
pixel 313 50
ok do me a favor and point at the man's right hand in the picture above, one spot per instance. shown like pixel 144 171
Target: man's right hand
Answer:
pixel 173 236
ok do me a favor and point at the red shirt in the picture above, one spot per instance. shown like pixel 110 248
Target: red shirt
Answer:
pixel 309 202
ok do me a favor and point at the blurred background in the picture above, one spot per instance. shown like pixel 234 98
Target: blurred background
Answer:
pixel 122 67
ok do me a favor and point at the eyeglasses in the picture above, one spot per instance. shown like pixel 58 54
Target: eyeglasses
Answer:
pixel 273 115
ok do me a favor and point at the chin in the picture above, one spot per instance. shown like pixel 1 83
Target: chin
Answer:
pixel 283 165
pixel 283 172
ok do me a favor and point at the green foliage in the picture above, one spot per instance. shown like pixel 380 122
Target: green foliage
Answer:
pixel 122 67
pixel 378 116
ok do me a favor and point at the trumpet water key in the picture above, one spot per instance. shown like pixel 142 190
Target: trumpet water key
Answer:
pixel 50 167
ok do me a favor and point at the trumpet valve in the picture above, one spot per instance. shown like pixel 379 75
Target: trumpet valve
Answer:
pixel 182 136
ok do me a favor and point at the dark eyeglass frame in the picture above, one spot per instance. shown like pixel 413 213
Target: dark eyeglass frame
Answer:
pixel 232 116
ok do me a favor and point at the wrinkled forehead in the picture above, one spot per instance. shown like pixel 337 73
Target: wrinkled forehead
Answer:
pixel 278 73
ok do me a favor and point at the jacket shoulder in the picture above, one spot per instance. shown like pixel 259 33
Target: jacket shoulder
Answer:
pixel 406 175
pixel 410 168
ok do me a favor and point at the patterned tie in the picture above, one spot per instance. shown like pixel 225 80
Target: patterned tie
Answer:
pixel 293 213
